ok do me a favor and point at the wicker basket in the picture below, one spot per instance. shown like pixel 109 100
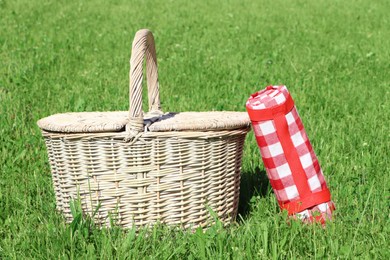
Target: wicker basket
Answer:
pixel 137 169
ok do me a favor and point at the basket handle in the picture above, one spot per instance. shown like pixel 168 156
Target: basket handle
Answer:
pixel 143 45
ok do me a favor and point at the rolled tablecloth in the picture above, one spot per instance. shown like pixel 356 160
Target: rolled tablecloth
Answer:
pixel 291 164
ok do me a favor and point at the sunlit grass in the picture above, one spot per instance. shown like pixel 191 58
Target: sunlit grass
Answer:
pixel 73 56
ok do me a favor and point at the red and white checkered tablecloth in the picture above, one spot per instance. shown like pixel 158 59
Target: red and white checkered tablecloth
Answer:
pixel 291 164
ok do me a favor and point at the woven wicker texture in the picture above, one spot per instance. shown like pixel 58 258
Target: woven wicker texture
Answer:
pixel 147 173
pixel 170 178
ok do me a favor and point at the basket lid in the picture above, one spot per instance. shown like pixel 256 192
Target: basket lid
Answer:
pixel 96 122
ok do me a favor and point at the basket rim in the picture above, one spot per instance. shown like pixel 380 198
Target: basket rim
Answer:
pixel 115 121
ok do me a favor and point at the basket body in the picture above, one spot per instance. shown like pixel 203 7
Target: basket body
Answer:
pixel 169 177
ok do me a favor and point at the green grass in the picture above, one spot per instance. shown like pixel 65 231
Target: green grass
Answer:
pixel 59 56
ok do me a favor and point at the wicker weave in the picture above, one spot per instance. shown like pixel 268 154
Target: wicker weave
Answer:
pixel 155 170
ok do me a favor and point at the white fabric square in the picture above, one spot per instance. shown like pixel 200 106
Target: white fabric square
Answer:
pixel 306 160
pixel 283 170
pixel 290 118
pixel 258 106
pixel 263 97
pixel 275 149
pixel 303 214
pixel 280 99
pixel 314 182
pixel 273 93
pixel 297 139
pixel 291 192
pixel 323 207
pixel 267 127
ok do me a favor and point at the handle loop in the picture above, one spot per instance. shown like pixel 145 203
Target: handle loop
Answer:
pixel 143 45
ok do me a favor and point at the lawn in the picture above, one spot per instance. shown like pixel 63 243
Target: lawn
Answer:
pixel 334 56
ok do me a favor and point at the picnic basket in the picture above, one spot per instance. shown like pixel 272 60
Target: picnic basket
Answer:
pixel 136 169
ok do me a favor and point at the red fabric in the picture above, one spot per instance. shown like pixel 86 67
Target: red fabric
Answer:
pixel 291 164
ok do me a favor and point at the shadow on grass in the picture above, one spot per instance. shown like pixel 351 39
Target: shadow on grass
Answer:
pixel 252 184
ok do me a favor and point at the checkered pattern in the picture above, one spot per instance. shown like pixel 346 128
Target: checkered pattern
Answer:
pixel 278 168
